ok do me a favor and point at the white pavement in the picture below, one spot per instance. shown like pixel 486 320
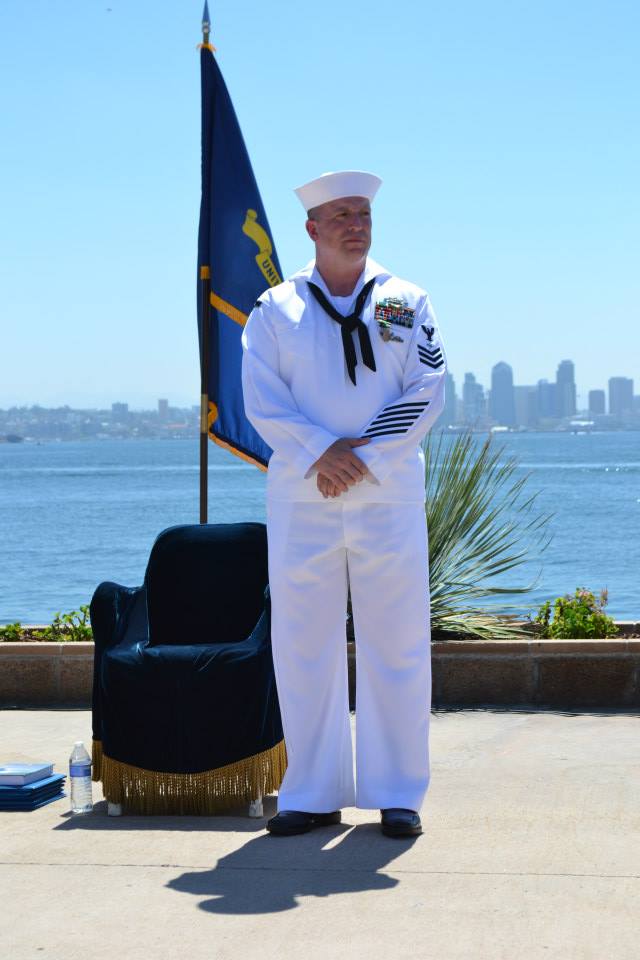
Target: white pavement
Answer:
pixel 531 850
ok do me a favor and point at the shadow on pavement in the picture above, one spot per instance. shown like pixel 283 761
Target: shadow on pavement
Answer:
pixel 542 710
pixel 232 821
pixel 270 874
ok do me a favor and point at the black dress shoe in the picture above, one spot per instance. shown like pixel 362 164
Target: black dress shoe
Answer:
pixel 289 822
pixel 397 822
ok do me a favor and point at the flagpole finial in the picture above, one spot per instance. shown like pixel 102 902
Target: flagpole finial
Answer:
pixel 206 24
pixel 206 29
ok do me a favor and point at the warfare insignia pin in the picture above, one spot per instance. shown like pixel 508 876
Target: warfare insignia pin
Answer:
pixel 393 310
pixel 386 332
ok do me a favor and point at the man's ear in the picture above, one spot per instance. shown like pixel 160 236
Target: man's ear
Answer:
pixel 312 229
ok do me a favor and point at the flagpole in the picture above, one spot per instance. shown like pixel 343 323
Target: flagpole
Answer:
pixel 205 293
pixel 205 283
pixel 236 260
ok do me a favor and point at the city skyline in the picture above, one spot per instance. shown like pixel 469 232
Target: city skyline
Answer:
pixel 512 405
pixel 180 401
pixel 581 397
pixel 544 405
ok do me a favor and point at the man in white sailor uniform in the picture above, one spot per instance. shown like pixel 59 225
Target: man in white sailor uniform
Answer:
pixel 343 375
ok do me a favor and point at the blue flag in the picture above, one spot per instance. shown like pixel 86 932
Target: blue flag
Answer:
pixel 236 260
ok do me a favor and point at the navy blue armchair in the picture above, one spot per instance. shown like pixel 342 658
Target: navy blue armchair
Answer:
pixel 185 710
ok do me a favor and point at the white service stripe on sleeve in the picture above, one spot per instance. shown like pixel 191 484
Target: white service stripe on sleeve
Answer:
pixel 405 421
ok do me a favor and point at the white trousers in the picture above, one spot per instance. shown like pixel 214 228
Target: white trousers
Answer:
pixel 380 550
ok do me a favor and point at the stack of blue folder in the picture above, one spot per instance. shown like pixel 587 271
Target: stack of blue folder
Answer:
pixel 17 795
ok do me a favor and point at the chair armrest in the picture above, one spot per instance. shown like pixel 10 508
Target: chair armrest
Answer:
pixel 261 633
pixel 109 610
pixel 113 608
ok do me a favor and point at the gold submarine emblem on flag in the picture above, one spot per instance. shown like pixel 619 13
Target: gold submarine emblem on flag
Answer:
pixel 260 237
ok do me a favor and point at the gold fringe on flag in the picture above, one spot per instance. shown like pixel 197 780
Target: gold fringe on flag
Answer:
pixel 96 760
pixel 209 792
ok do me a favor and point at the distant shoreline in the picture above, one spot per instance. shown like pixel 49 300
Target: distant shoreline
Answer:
pixel 182 434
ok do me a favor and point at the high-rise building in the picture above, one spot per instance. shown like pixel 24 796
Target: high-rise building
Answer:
pixel 448 417
pixel 119 412
pixel 473 400
pixel 596 403
pixel 620 396
pixel 565 389
pixel 163 410
pixel 526 406
pixel 501 403
pixel 546 399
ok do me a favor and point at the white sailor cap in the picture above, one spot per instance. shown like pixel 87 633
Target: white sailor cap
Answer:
pixel 334 186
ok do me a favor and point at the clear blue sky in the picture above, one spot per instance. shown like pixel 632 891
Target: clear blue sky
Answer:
pixel 507 135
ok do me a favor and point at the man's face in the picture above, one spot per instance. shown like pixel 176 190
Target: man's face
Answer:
pixel 341 229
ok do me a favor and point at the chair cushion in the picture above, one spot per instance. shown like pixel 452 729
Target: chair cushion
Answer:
pixel 206 582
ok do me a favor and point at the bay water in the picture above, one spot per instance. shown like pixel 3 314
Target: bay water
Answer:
pixel 75 513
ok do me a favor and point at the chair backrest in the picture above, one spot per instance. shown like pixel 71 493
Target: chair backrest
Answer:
pixel 205 583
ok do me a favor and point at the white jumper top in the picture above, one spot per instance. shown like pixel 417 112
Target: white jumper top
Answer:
pixel 298 395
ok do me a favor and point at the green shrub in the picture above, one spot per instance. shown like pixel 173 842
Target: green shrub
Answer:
pixel 578 617
pixel 72 627
pixel 12 632
pixel 483 523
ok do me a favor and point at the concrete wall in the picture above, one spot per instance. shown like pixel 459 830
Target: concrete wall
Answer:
pixel 46 674
pixel 542 673
pixel 570 674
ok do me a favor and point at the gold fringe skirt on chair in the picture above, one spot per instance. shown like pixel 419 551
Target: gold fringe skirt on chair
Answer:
pixel 208 792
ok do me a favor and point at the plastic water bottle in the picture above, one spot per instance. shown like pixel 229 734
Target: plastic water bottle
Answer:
pixel 80 779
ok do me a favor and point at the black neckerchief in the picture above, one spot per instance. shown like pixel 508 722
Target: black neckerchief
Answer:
pixel 348 325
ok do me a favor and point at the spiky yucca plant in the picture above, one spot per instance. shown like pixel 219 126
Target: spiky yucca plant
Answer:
pixel 481 524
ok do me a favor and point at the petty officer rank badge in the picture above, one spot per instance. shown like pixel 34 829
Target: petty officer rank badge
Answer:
pixel 393 312
pixel 429 353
